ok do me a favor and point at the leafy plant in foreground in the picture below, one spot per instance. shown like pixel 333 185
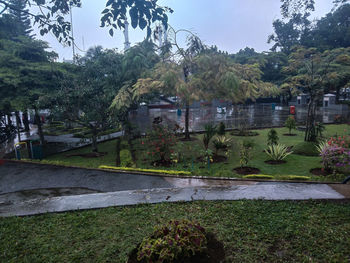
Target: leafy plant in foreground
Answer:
pixel 173 242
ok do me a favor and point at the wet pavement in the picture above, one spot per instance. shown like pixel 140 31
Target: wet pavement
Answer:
pixel 275 191
pixel 15 176
pixel 29 189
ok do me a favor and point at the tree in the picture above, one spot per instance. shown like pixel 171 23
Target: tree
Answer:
pixel 201 73
pixel 136 63
pixel 332 31
pixel 86 97
pixel 289 8
pixel 50 15
pixel 21 18
pixel 289 34
pixel 290 124
pixel 309 71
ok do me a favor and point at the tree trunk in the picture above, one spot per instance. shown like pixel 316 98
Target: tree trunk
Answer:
pixel 26 121
pixel 9 121
pixel 310 132
pixel 117 152
pixel 187 121
pixel 129 136
pixel 40 129
pixel 337 97
pixel 132 149
pixel 18 120
pixel 94 140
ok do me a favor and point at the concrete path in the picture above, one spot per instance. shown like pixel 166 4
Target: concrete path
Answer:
pixel 29 189
pixel 276 191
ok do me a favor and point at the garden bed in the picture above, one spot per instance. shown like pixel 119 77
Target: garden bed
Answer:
pixel 296 164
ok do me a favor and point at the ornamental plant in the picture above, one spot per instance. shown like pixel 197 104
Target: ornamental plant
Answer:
pixel 277 152
pixel 221 143
pixel 290 124
pixel 245 153
pixel 160 143
pixel 221 129
pixel 175 241
pixel 272 137
pixel 209 132
pixel 335 153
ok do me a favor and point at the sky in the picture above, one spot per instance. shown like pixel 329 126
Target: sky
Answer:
pixel 229 24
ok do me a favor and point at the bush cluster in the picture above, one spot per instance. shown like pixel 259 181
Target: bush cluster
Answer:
pixel 173 242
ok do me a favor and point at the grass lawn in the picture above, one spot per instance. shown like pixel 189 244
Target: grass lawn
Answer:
pixel 296 164
pixel 252 231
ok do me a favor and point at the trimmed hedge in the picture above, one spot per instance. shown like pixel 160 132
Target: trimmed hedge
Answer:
pixel 258 176
pixel 295 177
pixel 144 170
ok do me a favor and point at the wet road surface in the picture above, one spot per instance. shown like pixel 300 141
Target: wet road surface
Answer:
pixel 29 189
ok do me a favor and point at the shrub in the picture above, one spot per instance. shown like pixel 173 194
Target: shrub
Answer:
pixel 258 176
pixel 335 153
pixel 221 129
pixel 125 158
pixel 160 143
pixel 144 170
pixel 295 177
pixel 290 124
pixel 221 143
pixel 336 157
pixel 306 148
pixel 173 242
pixel 209 132
pixel 272 137
pixel 277 152
pixel 245 153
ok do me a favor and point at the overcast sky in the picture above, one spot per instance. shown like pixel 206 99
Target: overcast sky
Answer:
pixel 229 24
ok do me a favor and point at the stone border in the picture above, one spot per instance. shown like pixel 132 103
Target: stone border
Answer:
pixel 174 176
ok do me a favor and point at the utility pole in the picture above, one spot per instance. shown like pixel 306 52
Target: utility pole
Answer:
pixel 72 35
pixel 126 36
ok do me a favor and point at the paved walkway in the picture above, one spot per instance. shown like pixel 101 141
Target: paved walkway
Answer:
pixel 29 189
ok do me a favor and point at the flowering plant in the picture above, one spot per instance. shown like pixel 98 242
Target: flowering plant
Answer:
pixel 160 143
pixel 335 153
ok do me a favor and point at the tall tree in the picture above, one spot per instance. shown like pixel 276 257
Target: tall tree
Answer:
pixel 19 12
pixel 289 34
pixel 309 71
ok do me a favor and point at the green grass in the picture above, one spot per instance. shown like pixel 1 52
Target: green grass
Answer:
pixel 296 164
pixel 252 231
